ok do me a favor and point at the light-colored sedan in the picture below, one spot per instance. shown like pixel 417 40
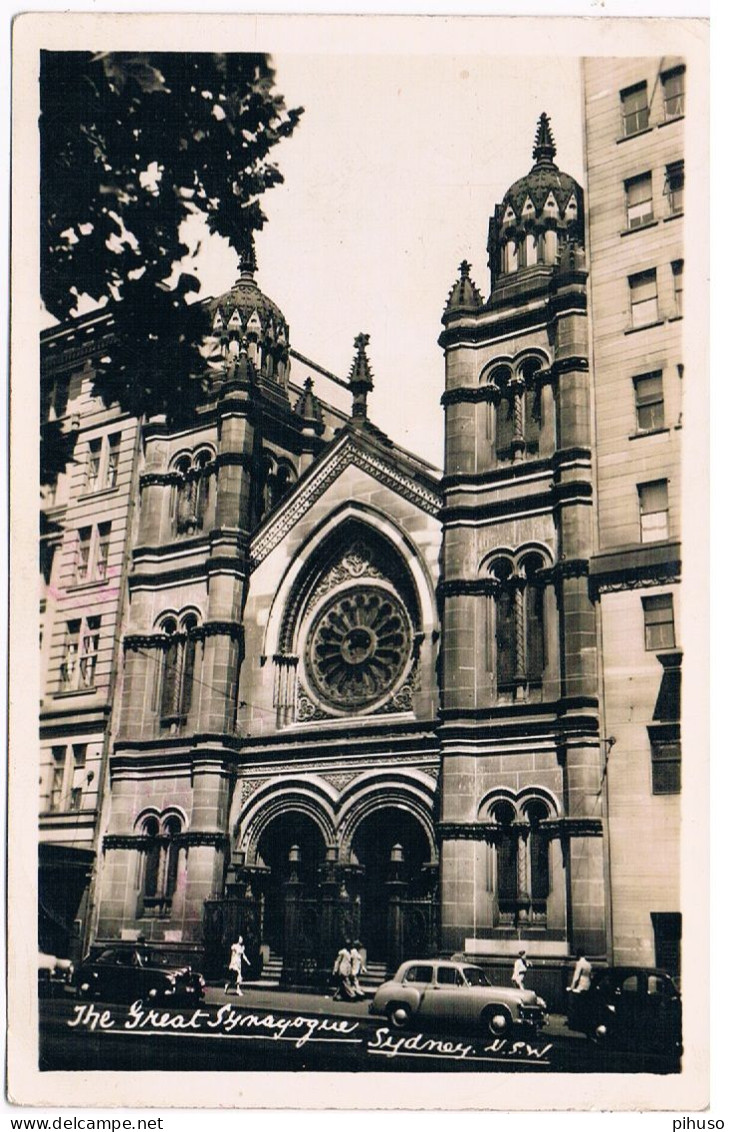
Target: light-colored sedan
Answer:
pixel 443 992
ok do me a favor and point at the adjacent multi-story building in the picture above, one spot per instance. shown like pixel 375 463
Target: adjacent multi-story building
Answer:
pixel 635 114
pixel 85 517
pixel 356 696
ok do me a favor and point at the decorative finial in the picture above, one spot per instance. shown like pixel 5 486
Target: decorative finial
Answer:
pixel 360 377
pixel 464 294
pixel 248 259
pixel 464 269
pixel 545 147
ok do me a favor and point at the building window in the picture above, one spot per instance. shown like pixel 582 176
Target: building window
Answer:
pixel 666 763
pixel 94 464
pixel 522 863
pixel 674 185
pixel 177 669
pixel 81 648
pixel 649 402
pixel 635 110
pixel 279 476
pixel 638 191
pixel 58 771
pixel 83 552
pixel 191 494
pixel 519 622
pixel 653 510
pixel 659 624
pixel 54 399
pixel 518 416
pixel 93 551
pixel 677 271
pixel 643 298
pixel 159 864
pixel 68 778
pixel 674 93
pixel 103 461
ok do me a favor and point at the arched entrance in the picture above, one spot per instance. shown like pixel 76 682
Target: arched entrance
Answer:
pixel 395 883
pixel 291 847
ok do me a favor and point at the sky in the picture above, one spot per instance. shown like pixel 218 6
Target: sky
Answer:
pixel 389 182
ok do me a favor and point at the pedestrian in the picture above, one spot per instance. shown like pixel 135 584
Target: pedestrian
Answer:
pixel 580 982
pixel 518 971
pixel 343 973
pixel 236 955
pixel 358 966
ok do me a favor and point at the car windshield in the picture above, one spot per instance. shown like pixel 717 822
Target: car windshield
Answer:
pixel 476 977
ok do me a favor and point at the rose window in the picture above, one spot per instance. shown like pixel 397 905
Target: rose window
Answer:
pixel 358 647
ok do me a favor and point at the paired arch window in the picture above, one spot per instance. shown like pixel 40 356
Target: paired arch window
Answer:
pixel 531 248
pixel 518 410
pixel 191 493
pixel 519 621
pixel 178 661
pixel 159 859
pixel 278 477
pixel 522 861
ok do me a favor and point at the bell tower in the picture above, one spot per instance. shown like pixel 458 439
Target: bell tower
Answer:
pixel 521 767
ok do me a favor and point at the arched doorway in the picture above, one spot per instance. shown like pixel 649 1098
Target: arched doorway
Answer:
pixel 395 882
pixel 291 847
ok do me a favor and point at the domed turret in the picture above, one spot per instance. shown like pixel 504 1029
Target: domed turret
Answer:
pixel 540 213
pixel 246 321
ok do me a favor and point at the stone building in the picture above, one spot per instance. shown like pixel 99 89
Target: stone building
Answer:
pixel 635 111
pixel 359 697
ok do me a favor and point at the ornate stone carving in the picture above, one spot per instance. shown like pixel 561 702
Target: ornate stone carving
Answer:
pixel 306 709
pixel 358 647
pixel 357 562
pixel 340 780
pixel 246 789
pixel 271 534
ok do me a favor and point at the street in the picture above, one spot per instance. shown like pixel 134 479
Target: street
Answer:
pixel 272 1029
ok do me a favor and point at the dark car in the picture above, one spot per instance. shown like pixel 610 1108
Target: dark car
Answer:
pixel 55 975
pixel 630 1008
pixel 442 992
pixel 124 974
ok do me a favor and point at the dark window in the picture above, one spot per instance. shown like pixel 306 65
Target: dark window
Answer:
pixel 649 402
pixel 538 853
pixel 533 419
pixel 504 426
pixel 84 546
pixel 423 974
pixel 666 763
pixel 638 191
pixel 674 186
pixel 643 290
pixel 103 550
pixel 667 928
pixel 505 637
pixel 677 270
pixel 113 460
pixel 534 628
pixel 58 767
pixel 659 623
pixel 448 976
pixel 177 669
pixel 94 463
pixel 653 499
pixel 674 93
pixel 635 110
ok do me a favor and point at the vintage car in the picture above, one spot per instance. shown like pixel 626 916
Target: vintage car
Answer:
pixel 123 974
pixel 629 1008
pixel 55 975
pixel 442 992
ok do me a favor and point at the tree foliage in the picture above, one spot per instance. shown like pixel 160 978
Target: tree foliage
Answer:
pixel 131 145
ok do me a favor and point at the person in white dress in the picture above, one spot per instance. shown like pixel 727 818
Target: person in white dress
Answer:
pixel 236 956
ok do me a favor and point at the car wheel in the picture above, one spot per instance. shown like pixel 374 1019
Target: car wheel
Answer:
pixel 498 1021
pixel 398 1015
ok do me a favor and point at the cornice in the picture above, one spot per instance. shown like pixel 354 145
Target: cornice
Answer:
pixel 490 831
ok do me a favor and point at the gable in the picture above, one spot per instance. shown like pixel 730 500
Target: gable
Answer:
pixel 392 474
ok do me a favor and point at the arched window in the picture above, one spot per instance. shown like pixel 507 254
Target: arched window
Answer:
pixel 278 478
pixel 504 418
pixel 521 862
pixel 177 668
pixel 518 410
pixel 191 493
pixel 519 621
pixel 159 863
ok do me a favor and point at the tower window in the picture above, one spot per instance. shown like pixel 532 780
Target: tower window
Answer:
pixel 674 93
pixel 635 110
pixel 159 864
pixel 659 623
pixel 638 191
pixel 653 510
pixel 191 493
pixel 649 402
pixel 643 290
pixel 177 669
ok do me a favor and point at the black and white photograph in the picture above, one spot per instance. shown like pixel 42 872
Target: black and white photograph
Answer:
pixel 359 349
